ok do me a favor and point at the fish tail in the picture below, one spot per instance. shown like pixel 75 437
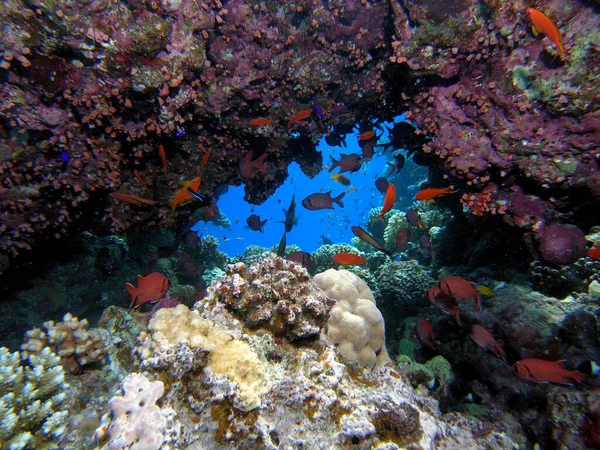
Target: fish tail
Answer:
pixel 339 198
pixel 334 163
pixel 259 163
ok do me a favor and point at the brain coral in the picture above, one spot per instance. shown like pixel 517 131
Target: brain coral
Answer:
pixel 404 283
pixel 355 325
pixel 275 294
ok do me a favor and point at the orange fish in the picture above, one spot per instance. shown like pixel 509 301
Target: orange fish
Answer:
pixel 182 195
pixel 366 136
pixel 430 194
pixel 348 259
pixel 594 253
pixel 300 116
pixel 260 122
pixel 163 157
pixel 390 199
pixel 204 160
pixel 132 199
pixel 544 371
pixel 542 24
pixel 139 178
pixel 151 288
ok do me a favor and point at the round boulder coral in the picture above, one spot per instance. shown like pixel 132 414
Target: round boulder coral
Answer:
pixel 561 244
pixel 404 283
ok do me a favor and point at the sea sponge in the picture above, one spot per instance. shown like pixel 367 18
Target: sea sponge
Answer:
pixel 70 339
pixel 355 324
pixel 173 327
pixel 32 397
pixel 137 422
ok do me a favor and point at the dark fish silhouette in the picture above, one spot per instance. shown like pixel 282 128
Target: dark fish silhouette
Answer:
pixel 381 184
pixel 347 163
pixel 400 160
pixel 326 240
pixel 254 223
pixel 282 245
pixel 363 235
pixel 290 215
pixel 300 258
pixel 335 139
pixel 318 201
pixel 414 219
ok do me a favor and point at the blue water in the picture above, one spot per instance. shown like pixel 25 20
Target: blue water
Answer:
pixel 334 224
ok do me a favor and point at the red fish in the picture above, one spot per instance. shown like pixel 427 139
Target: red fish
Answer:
pixel 425 244
pixel 132 199
pixel 299 257
pixel 430 194
pixel 402 239
pixel 139 178
pixel 543 371
pixel 366 136
pixel 461 288
pixel 542 24
pixel 425 334
pixel 390 199
pixel 486 340
pixel 247 166
pixel 316 202
pixel 444 302
pixel 151 289
pixel 163 157
pixel 260 122
pixel 300 116
pixel 349 259
pixel 414 219
pixel 594 253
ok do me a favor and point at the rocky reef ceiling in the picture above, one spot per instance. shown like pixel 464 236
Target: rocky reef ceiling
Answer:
pixel 130 98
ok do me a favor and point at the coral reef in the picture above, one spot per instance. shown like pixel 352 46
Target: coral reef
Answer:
pixel 136 419
pixel 33 397
pixel 355 327
pixel 70 339
pixel 403 284
pixel 275 294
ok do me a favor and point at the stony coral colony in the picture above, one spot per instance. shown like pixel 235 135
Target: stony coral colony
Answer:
pixel 92 93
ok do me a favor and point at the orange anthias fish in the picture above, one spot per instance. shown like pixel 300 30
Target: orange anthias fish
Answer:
pixel 542 24
pixel 182 195
pixel 486 340
pixel 543 371
pixel 366 136
pixel 594 253
pixel 260 122
pixel 390 199
pixel 348 259
pixel 132 199
pixel 139 178
pixel 300 116
pixel 430 194
pixel 163 157
pixel 204 160
pixel 151 288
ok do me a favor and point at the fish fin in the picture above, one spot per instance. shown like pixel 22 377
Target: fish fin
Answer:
pixel 535 30
pixel 334 164
pixel 130 288
pixel 339 198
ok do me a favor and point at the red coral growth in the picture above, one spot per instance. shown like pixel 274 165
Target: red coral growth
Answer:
pixel 486 201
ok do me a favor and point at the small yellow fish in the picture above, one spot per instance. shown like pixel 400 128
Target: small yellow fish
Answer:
pixel 340 178
pixel 486 291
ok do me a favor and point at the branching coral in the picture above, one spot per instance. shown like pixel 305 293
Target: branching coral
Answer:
pixel 32 400
pixel 70 339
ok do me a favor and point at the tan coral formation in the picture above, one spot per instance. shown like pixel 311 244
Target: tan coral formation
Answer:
pixel 70 339
pixel 356 327
pixel 174 329
pixel 276 295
